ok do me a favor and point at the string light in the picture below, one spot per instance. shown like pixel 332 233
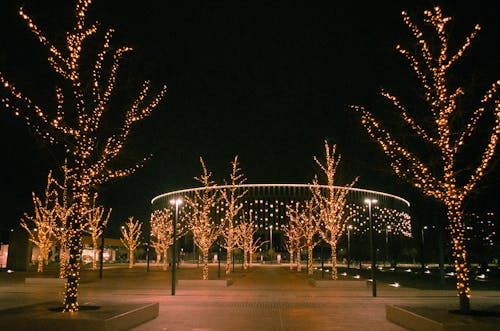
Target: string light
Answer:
pixel 232 198
pixel 96 223
pixel 245 233
pixel 162 231
pixel 201 207
pixel 90 159
pixel 42 225
pixel 331 204
pixel 432 69
pixel 131 234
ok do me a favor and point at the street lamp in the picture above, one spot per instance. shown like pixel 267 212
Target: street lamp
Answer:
pixel 177 202
pixel 425 227
pixel 349 228
pixel 370 202
pixel 387 229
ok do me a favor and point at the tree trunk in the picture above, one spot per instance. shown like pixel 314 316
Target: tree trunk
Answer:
pixel 334 262
pixel 63 263
pixel 94 253
pixel 309 260
pixel 250 258
pixel 165 259
pixel 204 252
pixel 291 252
pixel 131 259
pixel 40 260
pixel 70 303
pixel 245 259
pixel 459 254
pixel 299 266
pixel 228 260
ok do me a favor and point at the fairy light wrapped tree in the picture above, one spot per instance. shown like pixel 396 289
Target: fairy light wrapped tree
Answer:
pixel 233 200
pixel 76 123
pixel 42 226
pixel 200 218
pixel 245 239
pixel 131 238
pixel 97 219
pixel 444 127
pixel 331 204
pixel 162 231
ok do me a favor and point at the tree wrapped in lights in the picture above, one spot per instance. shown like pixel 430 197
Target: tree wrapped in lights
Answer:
pixel 233 199
pixel 200 220
pixel 90 150
pixel 97 220
pixel 131 234
pixel 43 223
pixel 162 230
pixel 64 212
pixel 331 204
pixel 305 227
pixel 245 234
pixel 440 128
pixel 294 234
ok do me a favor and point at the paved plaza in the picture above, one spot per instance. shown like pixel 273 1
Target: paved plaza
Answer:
pixel 265 298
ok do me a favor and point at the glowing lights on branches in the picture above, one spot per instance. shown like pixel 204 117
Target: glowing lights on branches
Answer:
pixel 76 123
pixel 441 133
pixel 131 234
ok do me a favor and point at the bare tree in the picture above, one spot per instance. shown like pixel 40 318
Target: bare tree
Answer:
pixel 331 204
pixel 200 220
pixel 97 220
pixel 85 90
pixel 233 199
pixel 443 130
pixel 131 234
pixel 42 225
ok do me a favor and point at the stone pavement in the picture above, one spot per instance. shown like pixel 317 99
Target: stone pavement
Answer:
pixel 265 298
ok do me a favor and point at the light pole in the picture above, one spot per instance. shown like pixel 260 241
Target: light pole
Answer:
pixel 425 227
pixel 387 229
pixel 177 202
pixel 370 202
pixel 349 228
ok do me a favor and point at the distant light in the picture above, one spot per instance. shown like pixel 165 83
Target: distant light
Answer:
pixel 481 276
pixel 408 270
pixel 10 271
pixel 344 274
pixel 395 284
pixel 356 276
pixel 427 272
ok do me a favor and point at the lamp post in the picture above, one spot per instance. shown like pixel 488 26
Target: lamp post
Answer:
pixel 177 202
pixel 425 227
pixel 387 229
pixel 370 202
pixel 349 228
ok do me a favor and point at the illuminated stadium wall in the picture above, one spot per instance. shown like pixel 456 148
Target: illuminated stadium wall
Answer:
pixel 268 205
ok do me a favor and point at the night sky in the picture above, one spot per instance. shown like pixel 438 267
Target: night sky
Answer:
pixel 267 81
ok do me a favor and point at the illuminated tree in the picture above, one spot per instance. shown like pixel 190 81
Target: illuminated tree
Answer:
pixel 96 223
pixel 82 98
pixel 162 233
pixel 331 204
pixel 131 234
pixel 245 234
pixel 305 230
pixel 443 128
pixel 200 220
pixel 42 225
pixel 293 234
pixel 64 212
pixel 233 199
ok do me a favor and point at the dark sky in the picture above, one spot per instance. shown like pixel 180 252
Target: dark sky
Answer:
pixel 265 80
